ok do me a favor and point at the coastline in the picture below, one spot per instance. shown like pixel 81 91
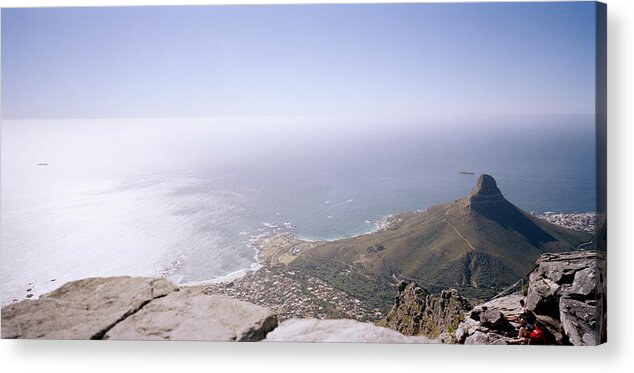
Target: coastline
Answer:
pixel 259 244
pixel 229 277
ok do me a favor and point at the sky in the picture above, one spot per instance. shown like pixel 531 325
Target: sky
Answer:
pixel 380 62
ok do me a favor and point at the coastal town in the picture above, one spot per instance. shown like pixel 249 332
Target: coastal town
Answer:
pixel 294 295
pixel 580 221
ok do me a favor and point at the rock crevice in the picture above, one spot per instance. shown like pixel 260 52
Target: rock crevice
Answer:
pixel 100 334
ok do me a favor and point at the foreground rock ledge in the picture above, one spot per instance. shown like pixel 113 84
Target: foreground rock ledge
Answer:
pixel 189 314
pixel 343 330
pixel 135 308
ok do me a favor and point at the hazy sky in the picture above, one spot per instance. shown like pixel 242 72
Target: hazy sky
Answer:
pixel 380 62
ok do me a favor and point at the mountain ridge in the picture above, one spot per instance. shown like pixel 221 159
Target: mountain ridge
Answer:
pixel 478 244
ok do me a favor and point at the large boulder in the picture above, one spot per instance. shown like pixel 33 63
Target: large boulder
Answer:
pixel 135 308
pixel 494 319
pixel 314 330
pixel 189 314
pixel 465 329
pixel 81 309
pixel 543 296
pixel 508 305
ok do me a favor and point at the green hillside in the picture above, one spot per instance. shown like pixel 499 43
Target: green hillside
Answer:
pixel 478 244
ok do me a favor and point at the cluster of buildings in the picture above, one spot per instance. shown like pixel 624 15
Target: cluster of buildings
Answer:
pixel 294 295
pixel 579 221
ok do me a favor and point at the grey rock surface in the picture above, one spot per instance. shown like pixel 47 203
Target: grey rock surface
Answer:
pixel 189 314
pixel 343 330
pixel 542 295
pixel 584 282
pixel 480 338
pixel 494 319
pixel 417 312
pixel 578 320
pixel 465 329
pixel 135 308
pixel 81 309
pixel 508 305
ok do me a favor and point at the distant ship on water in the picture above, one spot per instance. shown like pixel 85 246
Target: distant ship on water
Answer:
pixel 42 164
pixel 466 173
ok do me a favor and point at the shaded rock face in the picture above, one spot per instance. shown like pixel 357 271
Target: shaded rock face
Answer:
pixel 343 330
pixel 494 319
pixel 485 192
pixel 417 312
pixel 135 308
pixel 565 291
pixel 487 200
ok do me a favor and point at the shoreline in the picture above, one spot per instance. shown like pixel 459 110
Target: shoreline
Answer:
pixel 229 277
pixel 259 245
pixel 380 224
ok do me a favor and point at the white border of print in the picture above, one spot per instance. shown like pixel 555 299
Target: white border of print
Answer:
pixel 100 356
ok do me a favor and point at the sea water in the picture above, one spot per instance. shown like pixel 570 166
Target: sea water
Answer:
pixel 185 198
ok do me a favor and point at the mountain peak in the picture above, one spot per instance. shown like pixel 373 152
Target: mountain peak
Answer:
pixel 485 191
pixel 485 185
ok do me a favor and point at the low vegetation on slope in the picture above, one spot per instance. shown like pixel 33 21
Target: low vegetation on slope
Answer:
pixel 478 244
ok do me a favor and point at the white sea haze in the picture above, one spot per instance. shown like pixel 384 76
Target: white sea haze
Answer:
pixel 182 198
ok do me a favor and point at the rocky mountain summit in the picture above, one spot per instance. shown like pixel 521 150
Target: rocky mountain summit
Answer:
pixel 485 192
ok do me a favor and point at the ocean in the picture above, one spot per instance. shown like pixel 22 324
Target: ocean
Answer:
pixel 184 198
